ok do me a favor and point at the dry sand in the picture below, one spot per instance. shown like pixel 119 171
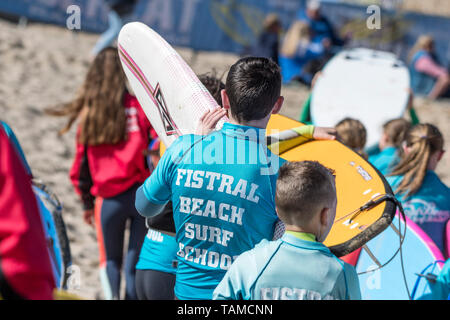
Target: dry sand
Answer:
pixel 42 65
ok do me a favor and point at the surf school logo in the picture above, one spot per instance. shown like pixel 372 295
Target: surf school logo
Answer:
pixel 169 124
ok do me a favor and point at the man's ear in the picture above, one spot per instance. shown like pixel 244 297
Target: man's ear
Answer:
pixel 225 100
pixel 278 104
pixel 324 216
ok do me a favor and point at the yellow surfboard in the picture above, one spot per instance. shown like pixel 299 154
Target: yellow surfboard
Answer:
pixel 358 184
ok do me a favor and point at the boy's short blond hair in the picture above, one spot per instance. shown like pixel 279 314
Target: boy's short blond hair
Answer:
pixel 303 189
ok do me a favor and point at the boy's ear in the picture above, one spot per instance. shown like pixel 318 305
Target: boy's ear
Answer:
pixel 278 104
pixel 324 216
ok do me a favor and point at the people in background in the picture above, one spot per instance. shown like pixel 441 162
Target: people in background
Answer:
pixel 321 28
pixel 298 52
pixel 428 77
pixel 119 10
pixel 267 44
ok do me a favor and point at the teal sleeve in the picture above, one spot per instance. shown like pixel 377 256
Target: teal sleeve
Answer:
pixel 354 290
pixel 157 188
pixel 145 207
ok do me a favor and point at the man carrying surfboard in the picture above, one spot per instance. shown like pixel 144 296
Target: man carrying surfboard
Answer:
pixel 222 185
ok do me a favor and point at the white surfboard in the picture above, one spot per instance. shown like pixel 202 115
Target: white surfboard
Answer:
pixel 367 85
pixel 168 90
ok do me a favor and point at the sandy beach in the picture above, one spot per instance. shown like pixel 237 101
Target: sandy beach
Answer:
pixel 43 65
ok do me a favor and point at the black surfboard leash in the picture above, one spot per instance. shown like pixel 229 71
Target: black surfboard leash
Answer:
pixel 369 205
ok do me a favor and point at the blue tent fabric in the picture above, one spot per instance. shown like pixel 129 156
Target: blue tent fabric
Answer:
pixel 232 25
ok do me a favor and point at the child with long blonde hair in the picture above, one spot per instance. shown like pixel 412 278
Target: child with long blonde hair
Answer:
pixel 425 198
pixel 112 136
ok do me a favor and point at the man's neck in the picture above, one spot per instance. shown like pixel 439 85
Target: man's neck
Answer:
pixel 261 124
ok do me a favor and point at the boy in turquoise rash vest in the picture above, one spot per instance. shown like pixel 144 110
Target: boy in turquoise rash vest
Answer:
pixel 297 266
pixel 222 185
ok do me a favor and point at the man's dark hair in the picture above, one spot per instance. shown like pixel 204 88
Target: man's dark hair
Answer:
pixel 253 86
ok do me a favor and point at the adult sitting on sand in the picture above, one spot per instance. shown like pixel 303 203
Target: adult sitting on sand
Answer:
pixel 298 51
pixel 428 77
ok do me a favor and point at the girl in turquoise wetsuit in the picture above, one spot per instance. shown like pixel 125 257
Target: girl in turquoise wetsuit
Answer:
pixel 394 132
pixel 425 198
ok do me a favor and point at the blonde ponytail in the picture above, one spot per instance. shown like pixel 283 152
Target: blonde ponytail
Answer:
pixel 423 141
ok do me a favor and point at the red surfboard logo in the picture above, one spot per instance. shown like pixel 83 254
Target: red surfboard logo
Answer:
pixel 156 95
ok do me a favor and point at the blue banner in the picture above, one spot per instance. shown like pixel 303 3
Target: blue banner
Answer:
pixel 231 25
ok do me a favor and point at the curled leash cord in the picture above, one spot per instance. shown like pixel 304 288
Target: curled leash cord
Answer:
pixel 402 237
pixel 373 203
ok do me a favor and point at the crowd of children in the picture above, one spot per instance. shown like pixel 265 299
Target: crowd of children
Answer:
pixel 204 230
pixel 208 227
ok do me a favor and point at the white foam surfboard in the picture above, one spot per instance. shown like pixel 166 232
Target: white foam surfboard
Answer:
pixel 171 95
pixel 367 85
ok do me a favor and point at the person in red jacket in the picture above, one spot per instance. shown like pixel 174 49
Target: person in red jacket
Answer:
pixel 25 269
pixel 110 164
